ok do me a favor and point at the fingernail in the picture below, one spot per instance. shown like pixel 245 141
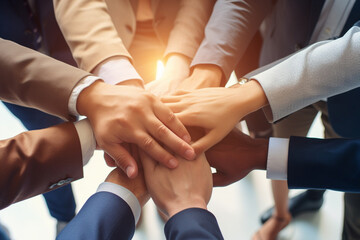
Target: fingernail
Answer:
pixel 187 138
pixel 189 154
pixel 130 170
pixel 173 163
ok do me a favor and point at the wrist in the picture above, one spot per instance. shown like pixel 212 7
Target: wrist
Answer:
pixel 177 207
pixel 260 160
pixel 86 97
pixel 250 97
pixel 132 83
pixel 177 65
pixel 210 74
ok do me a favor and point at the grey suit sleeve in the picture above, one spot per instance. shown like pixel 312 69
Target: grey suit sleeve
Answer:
pixel 230 29
pixel 319 71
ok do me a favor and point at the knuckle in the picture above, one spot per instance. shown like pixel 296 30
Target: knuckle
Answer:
pixel 134 107
pixel 121 160
pixel 171 117
pixel 122 121
pixel 148 143
pixel 150 97
pixel 161 130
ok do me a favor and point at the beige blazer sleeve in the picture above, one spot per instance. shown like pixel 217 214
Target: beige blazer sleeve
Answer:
pixel 188 31
pixel 38 161
pixel 31 79
pixel 89 31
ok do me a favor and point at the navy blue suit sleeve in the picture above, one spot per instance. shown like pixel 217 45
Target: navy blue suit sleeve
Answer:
pixel 192 223
pixel 324 164
pixel 104 216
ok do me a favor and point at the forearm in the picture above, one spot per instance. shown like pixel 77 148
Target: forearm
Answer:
pixel 38 161
pixel 188 30
pixel 24 71
pixel 230 29
pixel 248 98
pixel 322 70
pixel 89 31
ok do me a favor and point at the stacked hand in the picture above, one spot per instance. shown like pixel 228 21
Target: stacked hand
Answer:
pixel 129 114
pixel 175 71
pixel 217 110
pixel 137 185
pixel 235 156
pixel 174 190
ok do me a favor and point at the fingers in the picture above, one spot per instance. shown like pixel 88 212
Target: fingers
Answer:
pixel 176 107
pixel 181 92
pixel 171 99
pixel 109 161
pixel 220 179
pixel 146 161
pixel 207 141
pixel 155 151
pixel 166 116
pixel 123 159
pixel 171 138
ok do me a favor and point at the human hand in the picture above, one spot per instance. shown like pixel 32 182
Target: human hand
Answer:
pixel 130 114
pixel 175 71
pixel 235 156
pixel 217 110
pixel 174 190
pixel 203 76
pixel 137 185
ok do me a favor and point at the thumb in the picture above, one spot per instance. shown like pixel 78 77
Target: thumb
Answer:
pixel 148 163
pixel 109 161
pixel 207 141
pixel 219 179
pixel 123 159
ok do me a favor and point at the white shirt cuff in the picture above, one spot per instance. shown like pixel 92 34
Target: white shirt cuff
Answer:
pixel 82 84
pixel 117 70
pixel 87 139
pixel 124 194
pixel 277 161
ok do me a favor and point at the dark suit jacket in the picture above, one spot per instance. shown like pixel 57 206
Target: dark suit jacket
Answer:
pixel 104 216
pixel 193 223
pixel 97 220
pixel 34 28
pixel 324 164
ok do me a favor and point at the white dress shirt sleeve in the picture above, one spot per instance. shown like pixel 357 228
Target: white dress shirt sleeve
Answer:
pixel 87 139
pixel 277 161
pixel 113 71
pixel 116 70
pixel 124 194
pixel 80 86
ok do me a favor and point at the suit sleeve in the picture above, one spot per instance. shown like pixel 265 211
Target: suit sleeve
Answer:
pixel 229 31
pixel 31 79
pixel 38 161
pixel 87 27
pixel 189 25
pixel 319 71
pixel 324 164
pixel 193 223
pixel 104 216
